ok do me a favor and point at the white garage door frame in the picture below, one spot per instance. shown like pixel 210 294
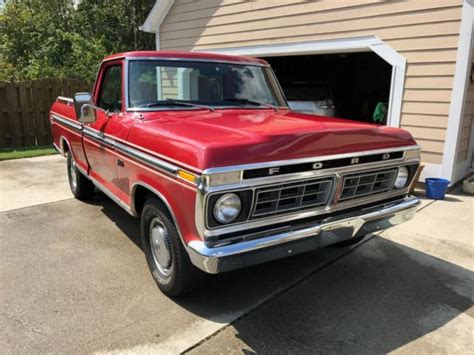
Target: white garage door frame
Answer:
pixel 342 45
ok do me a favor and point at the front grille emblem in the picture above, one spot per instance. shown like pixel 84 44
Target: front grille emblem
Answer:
pixel 272 171
pixel 386 156
pixel 354 161
pixel 317 166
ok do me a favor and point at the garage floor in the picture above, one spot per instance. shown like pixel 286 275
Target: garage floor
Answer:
pixel 74 280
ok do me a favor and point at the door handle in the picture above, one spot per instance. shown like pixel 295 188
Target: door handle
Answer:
pixel 120 163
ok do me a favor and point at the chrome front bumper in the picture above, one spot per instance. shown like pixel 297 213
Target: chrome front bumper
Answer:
pixel 282 244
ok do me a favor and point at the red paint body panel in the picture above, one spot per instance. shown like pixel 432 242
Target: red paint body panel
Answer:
pixel 197 139
pixel 73 138
pixel 204 139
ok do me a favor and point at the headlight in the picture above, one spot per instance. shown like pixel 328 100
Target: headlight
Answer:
pixel 402 177
pixel 227 208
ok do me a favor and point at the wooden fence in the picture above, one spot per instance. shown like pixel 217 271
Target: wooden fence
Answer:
pixel 24 108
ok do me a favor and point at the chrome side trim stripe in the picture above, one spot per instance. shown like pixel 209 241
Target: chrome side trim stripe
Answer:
pixel 111 195
pixel 105 140
pixel 146 158
pixel 131 152
pixel 68 122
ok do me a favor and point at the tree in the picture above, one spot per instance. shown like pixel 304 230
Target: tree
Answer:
pixel 56 38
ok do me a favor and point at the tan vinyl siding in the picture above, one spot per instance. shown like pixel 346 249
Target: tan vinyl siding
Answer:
pixel 169 83
pixel 424 32
pixel 467 121
pixel 466 126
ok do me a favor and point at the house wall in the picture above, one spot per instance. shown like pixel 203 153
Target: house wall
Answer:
pixel 467 121
pixel 424 32
pixel 169 83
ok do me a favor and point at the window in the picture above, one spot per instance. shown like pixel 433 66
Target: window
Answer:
pixel 111 90
pixel 153 83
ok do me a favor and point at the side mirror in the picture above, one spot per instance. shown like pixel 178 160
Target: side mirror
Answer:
pixel 81 98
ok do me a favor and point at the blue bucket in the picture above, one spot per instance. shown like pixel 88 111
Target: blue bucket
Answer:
pixel 436 188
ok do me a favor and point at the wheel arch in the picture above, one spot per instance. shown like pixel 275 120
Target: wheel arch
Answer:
pixel 139 193
pixel 64 145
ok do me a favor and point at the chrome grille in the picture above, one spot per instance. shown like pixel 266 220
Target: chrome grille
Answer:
pixel 367 183
pixel 290 197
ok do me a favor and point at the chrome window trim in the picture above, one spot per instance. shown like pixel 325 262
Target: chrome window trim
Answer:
pixel 199 60
pixel 159 109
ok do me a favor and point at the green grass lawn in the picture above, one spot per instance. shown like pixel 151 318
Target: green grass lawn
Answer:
pixel 26 152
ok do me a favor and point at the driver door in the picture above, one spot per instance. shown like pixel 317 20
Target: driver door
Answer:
pixel 98 143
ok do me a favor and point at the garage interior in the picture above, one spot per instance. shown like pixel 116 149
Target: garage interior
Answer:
pixel 355 82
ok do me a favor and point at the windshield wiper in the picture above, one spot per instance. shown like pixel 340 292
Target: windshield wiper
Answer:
pixel 169 102
pixel 250 102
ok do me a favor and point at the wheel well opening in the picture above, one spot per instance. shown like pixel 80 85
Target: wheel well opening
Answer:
pixel 64 145
pixel 141 194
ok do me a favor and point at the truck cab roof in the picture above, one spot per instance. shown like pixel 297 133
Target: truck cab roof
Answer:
pixel 199 56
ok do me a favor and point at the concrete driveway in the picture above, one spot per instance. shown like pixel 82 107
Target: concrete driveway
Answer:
pixel 74 280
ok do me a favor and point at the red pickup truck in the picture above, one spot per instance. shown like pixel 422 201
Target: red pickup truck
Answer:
pixel 204 149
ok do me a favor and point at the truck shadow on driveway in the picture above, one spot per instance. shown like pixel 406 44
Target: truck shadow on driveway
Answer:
pixel 375 297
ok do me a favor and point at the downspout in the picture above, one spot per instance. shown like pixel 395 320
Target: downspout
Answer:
pixel 157 39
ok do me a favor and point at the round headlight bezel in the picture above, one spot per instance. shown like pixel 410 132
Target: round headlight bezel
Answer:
pixel 227 208
pixel 401 180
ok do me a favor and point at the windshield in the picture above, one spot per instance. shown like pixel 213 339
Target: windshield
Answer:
pixel 157 84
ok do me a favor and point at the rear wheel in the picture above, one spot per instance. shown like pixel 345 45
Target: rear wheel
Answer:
pixel 81 186
pixel 166 256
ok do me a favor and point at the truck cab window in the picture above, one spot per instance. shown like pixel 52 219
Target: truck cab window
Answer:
pixel 111 90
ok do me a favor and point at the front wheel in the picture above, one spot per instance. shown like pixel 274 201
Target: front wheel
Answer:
pixel 165 254
pixel 81 187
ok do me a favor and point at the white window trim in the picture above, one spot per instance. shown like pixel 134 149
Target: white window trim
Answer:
pixel 343 45
pixel 159 83
pixel 451 170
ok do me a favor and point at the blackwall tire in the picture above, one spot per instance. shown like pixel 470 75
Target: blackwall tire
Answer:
pixel 81 186
pixel 166 256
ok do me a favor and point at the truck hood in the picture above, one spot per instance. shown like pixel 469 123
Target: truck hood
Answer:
pixel 203 139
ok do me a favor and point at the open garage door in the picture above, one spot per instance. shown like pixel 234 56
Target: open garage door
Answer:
pixel 349 85
pixel 364 70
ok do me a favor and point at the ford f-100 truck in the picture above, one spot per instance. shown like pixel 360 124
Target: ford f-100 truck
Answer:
pixel 223 175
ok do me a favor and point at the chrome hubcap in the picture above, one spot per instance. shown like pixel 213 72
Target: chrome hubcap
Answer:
pixel 160 246
pixel 73 172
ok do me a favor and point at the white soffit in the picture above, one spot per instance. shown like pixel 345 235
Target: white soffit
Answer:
pixel 156 16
